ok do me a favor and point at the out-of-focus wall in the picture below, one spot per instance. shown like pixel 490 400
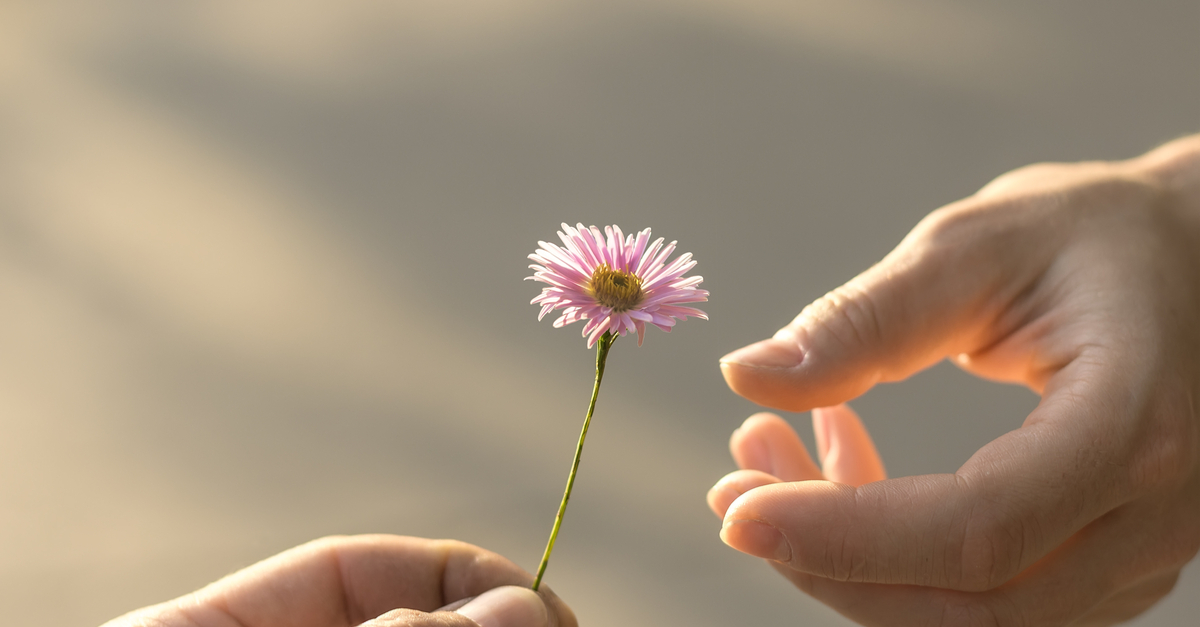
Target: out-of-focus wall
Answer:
pixel 261 262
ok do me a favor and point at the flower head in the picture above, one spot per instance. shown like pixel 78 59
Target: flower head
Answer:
pixel 617 282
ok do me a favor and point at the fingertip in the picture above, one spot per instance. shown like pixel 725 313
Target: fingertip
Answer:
pixel 848 455
pixel 761 418
pixel 734 485
pixel 747 505
pixel 778 503
pixel 778 373
pixel 747 446
pixel 559 613
pixel 768 443
pixel 762 371
pixel 769 353
pixel 756 538
pixel 718 498
pixel 507 606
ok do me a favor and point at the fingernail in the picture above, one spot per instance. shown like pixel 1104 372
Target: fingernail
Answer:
pixel 507 606
pixel 766 354
pixel 756 538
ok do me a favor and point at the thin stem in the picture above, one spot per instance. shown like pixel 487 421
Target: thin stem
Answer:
pixel 605 343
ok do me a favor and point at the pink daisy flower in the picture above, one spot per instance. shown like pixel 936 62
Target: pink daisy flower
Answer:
pixel 617 283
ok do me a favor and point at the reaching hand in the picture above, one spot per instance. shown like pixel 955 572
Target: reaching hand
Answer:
pixel 1081 281
pixel 376 581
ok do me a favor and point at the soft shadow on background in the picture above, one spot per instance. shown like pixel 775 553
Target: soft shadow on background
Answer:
pixel 261 265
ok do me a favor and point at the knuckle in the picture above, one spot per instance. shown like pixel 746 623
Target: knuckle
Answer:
pixel 1178 539
pixel 980 230
pixel 329 540
pixel 967 238
pixel 1164 587
pixel 971 610
pixel 944 236
pixel 851 316
pixel 845 556
pixel 1024 176
pixel 973 222
pixel 1189 545
pixel 325 545
pixel 949 228
pixel 1168 451
pixel 841 561
pixel 991 551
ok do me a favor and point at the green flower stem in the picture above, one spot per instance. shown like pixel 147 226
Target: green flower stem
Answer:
pixel 602 346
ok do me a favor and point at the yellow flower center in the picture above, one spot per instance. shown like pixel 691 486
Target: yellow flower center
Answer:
pixel 619 290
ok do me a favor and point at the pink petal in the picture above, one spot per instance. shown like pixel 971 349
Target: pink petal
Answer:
pixel 683 312
pixel 644 261
pixel 639 247
pixel 677 267
pixel 567 271
pixel 655 264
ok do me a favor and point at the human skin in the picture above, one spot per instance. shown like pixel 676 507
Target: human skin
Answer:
pixel 375 581
pixel 1080 281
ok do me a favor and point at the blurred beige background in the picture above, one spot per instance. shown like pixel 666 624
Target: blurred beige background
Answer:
pixel 261 262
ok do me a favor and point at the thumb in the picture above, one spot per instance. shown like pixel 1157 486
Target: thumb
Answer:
pixel 506 606
pixel 934 295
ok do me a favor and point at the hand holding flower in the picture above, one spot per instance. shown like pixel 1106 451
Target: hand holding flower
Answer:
pixel 380 581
